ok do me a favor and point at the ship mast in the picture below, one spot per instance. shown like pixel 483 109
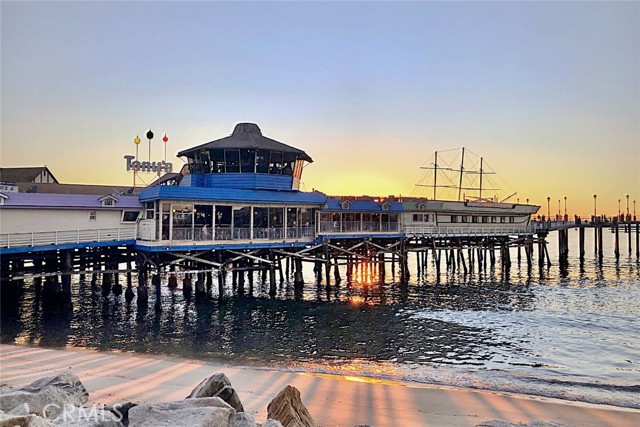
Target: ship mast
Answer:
pixel 435 176
pixel 461 172
pixel 480 194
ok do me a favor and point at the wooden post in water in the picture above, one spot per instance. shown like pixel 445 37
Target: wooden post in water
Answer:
pixel 616 249
pixel 628 227
pixel 66 273
pixel 336 271
pixel 600 245
pixel 272 275
pixel 637 239
pixel 581 241
pixel 297 277
pixel 221 277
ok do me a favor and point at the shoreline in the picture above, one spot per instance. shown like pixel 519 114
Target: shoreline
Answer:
pixel 333 400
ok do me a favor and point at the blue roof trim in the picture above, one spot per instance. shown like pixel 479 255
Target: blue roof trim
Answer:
pixel 363 205
pixel 231 195
pixel 28 249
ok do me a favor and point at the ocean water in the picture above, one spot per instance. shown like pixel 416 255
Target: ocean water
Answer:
pixel 571 333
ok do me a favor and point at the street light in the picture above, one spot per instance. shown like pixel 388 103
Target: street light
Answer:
pixel 634 210
pixel 565 207
pixel 558 209
pixel 618 209
pixel 595 205
pixel 149 137
pixel 549 208
pixel 627 207
pixel 136 141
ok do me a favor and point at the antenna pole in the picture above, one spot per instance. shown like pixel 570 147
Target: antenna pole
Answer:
pixel 435 176
pixel 461 171
pixel 480 179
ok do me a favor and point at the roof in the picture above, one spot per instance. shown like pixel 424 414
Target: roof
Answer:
pixel 20 174
pixel 38 187
pixel 363 206
pixel 247 136
pixel 231 195
pixel 67 201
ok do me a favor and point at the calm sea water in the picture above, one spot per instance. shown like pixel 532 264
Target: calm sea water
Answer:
pixel 571 334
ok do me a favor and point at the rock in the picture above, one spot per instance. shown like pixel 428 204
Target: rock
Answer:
pixel 287 408
pixel 20 410
pixel 30 420
pixel 121 411
pixel 87 417
pixel 271 423
pixel 49 393
pixel 202 412
pixel 243 419
pixel 218 385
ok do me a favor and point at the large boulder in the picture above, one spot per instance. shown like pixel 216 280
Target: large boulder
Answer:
pixel 218 385
pixel 271 423
pixel 287 408
pixel 244 419
pixel 9 420
pixel 202 412
pixel 87 417
pixel 49 394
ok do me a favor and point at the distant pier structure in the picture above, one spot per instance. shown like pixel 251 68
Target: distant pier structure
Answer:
pixel 235 217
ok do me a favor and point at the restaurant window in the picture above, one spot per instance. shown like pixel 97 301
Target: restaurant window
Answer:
pixel 454 218
pixel 247 161
pixel 232 161
pixel 474 219
pixel 275 164
pixel 130 216
pixel 217 161
pixel 511 219
pixel 464 218
pixel 262 161
pixel 485 219
pixel 493 219
pixel 502 219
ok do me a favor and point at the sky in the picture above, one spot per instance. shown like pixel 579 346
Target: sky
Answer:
pixel 548 93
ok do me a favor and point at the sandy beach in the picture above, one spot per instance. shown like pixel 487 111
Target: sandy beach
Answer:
pixel 112 377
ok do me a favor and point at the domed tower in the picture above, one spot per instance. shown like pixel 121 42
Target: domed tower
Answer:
pixel 245 159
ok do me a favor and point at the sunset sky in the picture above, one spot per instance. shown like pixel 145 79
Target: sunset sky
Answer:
pixel 547 92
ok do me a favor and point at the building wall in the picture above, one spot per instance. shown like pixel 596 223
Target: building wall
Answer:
pixel 21 220
pixel 45 178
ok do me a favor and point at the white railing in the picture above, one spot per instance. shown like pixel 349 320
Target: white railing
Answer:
pixel 357 227
pixel 46 238
pixel 468 230
pixel 200 234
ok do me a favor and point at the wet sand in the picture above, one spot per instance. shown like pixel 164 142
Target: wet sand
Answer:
pixel 112 377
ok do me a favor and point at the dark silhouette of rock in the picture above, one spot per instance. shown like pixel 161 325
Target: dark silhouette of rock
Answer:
pixel 287 408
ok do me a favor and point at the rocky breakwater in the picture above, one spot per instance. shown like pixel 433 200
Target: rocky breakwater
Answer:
pixel 59 400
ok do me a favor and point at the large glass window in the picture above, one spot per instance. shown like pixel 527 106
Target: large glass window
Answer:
pixel 275 164
pixel 182 221
pixel 242 223
pixel 217 161
pixel 223 221
pixel 232 160
pixel 260 217
pixel 203 222
pixel 276 217
pixel 247 161
pixel 262 161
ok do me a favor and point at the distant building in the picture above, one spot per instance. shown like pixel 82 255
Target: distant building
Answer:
pixel 38 174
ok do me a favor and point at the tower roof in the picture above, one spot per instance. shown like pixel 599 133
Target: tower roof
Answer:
pixel 246 136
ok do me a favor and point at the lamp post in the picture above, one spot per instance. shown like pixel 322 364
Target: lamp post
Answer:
pixel 595 206
pixel 149 137
pixel 165 139
pixel 565 208
pixel 618 209
pixel 136 141
pixel 627 218
pixel 548 208
pixel 634 210
pixel 558 209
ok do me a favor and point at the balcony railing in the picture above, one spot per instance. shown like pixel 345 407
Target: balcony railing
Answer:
pixel 357 227
pixel 46 238
pixel 202 234
pixel 468 230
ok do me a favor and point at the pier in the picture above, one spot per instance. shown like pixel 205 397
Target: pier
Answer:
pixel 235 215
